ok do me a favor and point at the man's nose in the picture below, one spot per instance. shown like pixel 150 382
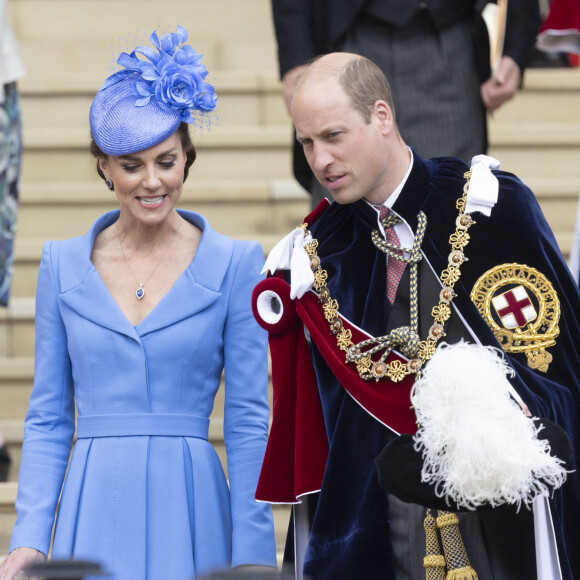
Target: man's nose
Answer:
pixel 322 156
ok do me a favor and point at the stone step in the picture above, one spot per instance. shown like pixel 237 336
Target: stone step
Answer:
pixel 17 328
pixel 536 134
pixel 280 194
pixel 548 95
pixel 248 98
pixel 29 251
pixel 532 162
pixel 256 207
pixel 545 105
pixel 552 79
pixel 241 152
pixel 62 210
pixel 265 212
pixel 244 98
pixel 80 36
pixel 16 376
pixel 7 515
pixel 12 431
pixel 252 152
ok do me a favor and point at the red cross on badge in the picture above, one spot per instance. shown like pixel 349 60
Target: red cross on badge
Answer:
pixel 514 307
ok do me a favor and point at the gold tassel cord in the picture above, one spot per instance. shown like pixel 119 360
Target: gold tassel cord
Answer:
pixel 458 565
pixel 434 561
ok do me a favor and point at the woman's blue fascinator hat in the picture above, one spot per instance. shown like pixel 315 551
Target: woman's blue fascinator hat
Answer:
pixel 144 103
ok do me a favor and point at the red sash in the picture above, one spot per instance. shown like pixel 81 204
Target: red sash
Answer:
pixel 297 445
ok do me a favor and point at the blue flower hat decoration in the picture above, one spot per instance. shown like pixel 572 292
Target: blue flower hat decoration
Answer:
pixel 174 76
pixel 144 103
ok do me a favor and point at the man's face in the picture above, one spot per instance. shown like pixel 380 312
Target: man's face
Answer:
pixel 346 154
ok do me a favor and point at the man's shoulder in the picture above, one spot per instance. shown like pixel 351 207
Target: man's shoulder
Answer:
pixel 447 174
pixel 510 183
pixel 335 217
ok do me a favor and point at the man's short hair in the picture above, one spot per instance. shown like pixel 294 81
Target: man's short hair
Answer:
pixel 365 83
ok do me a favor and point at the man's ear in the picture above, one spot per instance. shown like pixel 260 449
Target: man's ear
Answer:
pixel 384 116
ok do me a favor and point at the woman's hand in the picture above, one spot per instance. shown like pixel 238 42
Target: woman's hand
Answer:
pixel 18 560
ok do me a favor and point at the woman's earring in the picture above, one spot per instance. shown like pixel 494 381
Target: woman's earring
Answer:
pixel 109 183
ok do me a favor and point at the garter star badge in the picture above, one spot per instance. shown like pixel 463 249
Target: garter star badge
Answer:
pixel 522 308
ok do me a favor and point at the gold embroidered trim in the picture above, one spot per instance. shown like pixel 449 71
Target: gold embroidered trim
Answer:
pixel 423 350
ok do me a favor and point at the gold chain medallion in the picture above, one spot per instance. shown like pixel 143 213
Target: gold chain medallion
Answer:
pixel 522 308
pixel 418 351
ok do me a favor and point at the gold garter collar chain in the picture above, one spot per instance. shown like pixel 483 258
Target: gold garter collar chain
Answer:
pixel 406 337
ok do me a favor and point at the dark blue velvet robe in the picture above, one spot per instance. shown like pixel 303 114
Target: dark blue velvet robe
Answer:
pixel 350 535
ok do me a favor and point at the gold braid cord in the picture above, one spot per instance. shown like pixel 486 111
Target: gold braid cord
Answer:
pixel 406 338
pixel 434 561
pixel 458 565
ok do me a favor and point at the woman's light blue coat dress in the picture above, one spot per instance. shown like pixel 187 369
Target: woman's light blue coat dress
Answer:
pixel 145 492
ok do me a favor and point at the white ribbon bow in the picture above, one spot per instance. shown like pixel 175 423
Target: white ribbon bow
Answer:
pixel 483 186
pixel 289 254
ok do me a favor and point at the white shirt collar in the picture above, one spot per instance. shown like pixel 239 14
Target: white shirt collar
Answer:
pixel 390 201
pixel 403 230
pixel 394 196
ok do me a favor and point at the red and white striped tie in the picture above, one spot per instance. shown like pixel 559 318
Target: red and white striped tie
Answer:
pixel 395 268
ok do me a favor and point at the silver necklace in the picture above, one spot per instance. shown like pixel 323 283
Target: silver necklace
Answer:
pixel 140 292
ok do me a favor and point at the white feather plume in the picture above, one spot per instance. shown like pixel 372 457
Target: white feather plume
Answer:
pixel 478 447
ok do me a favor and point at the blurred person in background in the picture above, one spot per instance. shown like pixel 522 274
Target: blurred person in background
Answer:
pixel 560 34
pixel 435 54
pixel 11 69
pixel 560 29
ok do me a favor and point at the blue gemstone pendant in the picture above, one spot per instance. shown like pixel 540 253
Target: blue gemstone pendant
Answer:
pixel 140 292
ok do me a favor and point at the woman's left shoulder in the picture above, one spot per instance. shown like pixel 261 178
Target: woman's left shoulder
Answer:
pixel 248 252
pixel 223 247
pixel 247 246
